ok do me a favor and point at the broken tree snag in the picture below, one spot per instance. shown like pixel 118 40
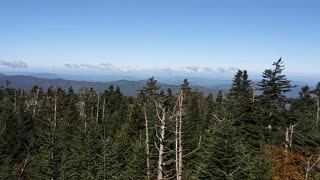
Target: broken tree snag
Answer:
pixel 35 102
pixel 318 111
pixel 97 118
pixel 177 146
pixel 289 135
pixel 180 150
pixel 162 118
pixel 55 110
pixel 147 141
pixel 103 109
pixel 311 165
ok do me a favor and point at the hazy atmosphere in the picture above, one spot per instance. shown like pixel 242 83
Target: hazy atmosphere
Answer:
pixel 159 37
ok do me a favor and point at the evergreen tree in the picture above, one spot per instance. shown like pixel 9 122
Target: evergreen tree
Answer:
pixel 273 86
pixel 223 155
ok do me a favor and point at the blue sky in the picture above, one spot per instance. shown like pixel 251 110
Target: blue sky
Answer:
pixel 173 36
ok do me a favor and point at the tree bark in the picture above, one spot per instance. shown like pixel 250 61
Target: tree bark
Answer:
pixel 55 110
pixel 103 109
pixel 161 139
pixel 180 152
pixel 253 96
pixel 35 103
pixel 311 166
pixel 318 111
pixel 287 138
pixel 289 135
pixel 177 147
pixel 97 118
pixel 147 142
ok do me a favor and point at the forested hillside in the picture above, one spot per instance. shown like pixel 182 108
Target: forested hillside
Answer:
pixel 54 133
pixel 128 88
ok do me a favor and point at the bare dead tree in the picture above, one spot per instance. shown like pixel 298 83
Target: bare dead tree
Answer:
pixel 147 141
pixel 103 108
pixel 180 150
pixel 165 154
pixel 162 118
pixel 289 135
pixel 22 169
pixel 55 110
pixel 35 102
pixel 177 146
pixel 81 106
pixel 91 114
pixel 311 165
pixel 179 134
pixel 97 118
pixel 318 111
pixel 253 95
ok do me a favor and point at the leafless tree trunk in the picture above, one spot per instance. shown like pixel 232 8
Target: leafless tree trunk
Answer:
pixel 55 110
pixel 81 106
pixel 311 166
pixel 162 118
pixel 269 125
pixel 253 95
pixel 103 109
pixel 180 149
pixel 179 135
pixel 35 103
pixel 289 135
pixel 177 147
pixel 26 161
pixel 287 138
pixel 318 111
pixel 85 126
pixel 147 142
pixel 97 118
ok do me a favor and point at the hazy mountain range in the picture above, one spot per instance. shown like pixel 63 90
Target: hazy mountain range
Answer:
pixel 128 85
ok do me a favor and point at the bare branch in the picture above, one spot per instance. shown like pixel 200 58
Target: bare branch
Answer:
pixel 199 144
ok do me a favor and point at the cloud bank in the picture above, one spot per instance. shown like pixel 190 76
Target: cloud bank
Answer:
pixel 13 64
pixel 90 66
pixel 101 66
pixel 199 69
pixel 169 69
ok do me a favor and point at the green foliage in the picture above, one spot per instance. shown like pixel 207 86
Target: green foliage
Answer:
pixel 54 134
pixel 273 86
pixel 224 155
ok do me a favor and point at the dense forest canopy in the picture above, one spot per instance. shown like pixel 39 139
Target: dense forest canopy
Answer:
pixel 59 134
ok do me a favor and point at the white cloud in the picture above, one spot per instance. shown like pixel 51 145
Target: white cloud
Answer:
pixel 226 69
pixel 72 65
pixel 199 69
pixel 13 64
pixel 169 69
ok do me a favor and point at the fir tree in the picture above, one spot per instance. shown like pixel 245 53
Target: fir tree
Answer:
pixel 273 86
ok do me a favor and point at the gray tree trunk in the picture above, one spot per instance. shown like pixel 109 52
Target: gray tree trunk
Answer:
pixel 147 142
pixel 162 118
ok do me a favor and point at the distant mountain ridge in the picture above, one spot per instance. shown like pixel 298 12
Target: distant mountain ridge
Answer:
pixel 127 87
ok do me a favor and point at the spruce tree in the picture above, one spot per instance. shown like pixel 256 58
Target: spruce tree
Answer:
pixel 274 85
pixel 223 155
